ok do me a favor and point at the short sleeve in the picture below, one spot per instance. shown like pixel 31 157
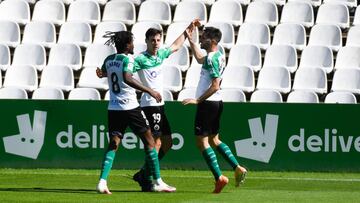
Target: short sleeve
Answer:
pixel 128 65
pixel 214 67
pixel 164 53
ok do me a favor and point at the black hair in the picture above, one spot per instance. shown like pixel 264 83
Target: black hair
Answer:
pixel 152 32
pixel 213 33
pixel 120 39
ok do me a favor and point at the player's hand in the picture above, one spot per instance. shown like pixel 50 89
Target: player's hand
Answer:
pixel 156 96
pixel 189 101
pixel 100 73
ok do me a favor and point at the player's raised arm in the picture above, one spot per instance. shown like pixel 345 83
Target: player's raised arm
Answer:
pixel 195 49
pixel 176 45
pixel 128 79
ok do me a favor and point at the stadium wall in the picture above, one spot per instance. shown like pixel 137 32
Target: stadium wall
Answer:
pixel 278 137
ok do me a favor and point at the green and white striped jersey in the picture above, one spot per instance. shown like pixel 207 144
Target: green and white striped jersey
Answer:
pixel 122 96
pixel 150 72
pixel 213 67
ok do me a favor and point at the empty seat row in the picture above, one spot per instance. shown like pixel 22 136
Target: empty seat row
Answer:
pixel 298 96
pixel 160 11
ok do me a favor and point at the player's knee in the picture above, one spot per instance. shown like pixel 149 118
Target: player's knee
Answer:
pixel 114 143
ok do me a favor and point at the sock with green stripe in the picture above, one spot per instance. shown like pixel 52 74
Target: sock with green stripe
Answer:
pixel 152 162
pixel 225 151
pixel 107 164
pixel 210 158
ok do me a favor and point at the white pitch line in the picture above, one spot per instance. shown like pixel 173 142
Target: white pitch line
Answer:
pixel 195 176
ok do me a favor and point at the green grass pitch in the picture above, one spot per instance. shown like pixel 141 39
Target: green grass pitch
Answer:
pixel 64 185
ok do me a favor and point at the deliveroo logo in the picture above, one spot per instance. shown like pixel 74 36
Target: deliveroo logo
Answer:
pixel 29 141
pixel 262 143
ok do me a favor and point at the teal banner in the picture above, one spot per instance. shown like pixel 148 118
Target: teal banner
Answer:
pixel 73 134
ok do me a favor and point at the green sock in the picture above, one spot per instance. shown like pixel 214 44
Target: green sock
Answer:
pixel 152 162
pixel 107 164
pixel 210 158
pixel 225 151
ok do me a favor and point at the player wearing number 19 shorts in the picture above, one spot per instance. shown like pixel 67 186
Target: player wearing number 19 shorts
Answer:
pixel 149 68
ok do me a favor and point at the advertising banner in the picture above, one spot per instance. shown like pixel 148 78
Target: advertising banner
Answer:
pixel 278 137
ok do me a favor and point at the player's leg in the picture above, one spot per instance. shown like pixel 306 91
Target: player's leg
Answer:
pixel 115 132
pixel 224 150
pixel 203 127
pixel 139 125
pixel 226 153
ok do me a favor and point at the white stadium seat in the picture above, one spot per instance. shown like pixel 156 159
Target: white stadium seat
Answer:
pixel 314 3
pixel 313 79
pixel 346 80
pixel 78 33
pixel 262 12
pixel 290 34
pixel 84 94
pixel 229 11
pixel 238 77
pixel 348 57
pixel 88 78
pixel 155 11
pixel 357 16
pixel 254 33
pixel 271 96
pixel 348 3
pixel 180 59
pixel 281 56
pixel 24 76
pixel 13 93
pixel 120 11
pixel 48 93
pixel 274 78
pixel 188 93
pixel 4 57
pixel 186 11
pixel 171 2
pixel 336 14
pixel 172 78
pixel 317 57
pixel 353 38
pixel 301 96
pixel 15 10
pixel 167 95
pixel 52 11
pixel 298 12
pixel 61 77
pixel 341 98
pixel 245 55
pixel 9 33
pixel 326 35
pixel 30 54
pixel 96 53
pixel 206 2
pixel 139 47
pixel 232 95
pixel 40 32
pixel 104 27
pixel 67 55
pixel 84 11
pixel 192 77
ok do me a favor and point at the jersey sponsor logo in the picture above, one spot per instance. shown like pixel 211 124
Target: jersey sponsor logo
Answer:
pixel 261 145
pixel 29 141
pixel 153 74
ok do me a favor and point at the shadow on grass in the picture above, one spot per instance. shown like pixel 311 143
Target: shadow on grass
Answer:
pixel 59 190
